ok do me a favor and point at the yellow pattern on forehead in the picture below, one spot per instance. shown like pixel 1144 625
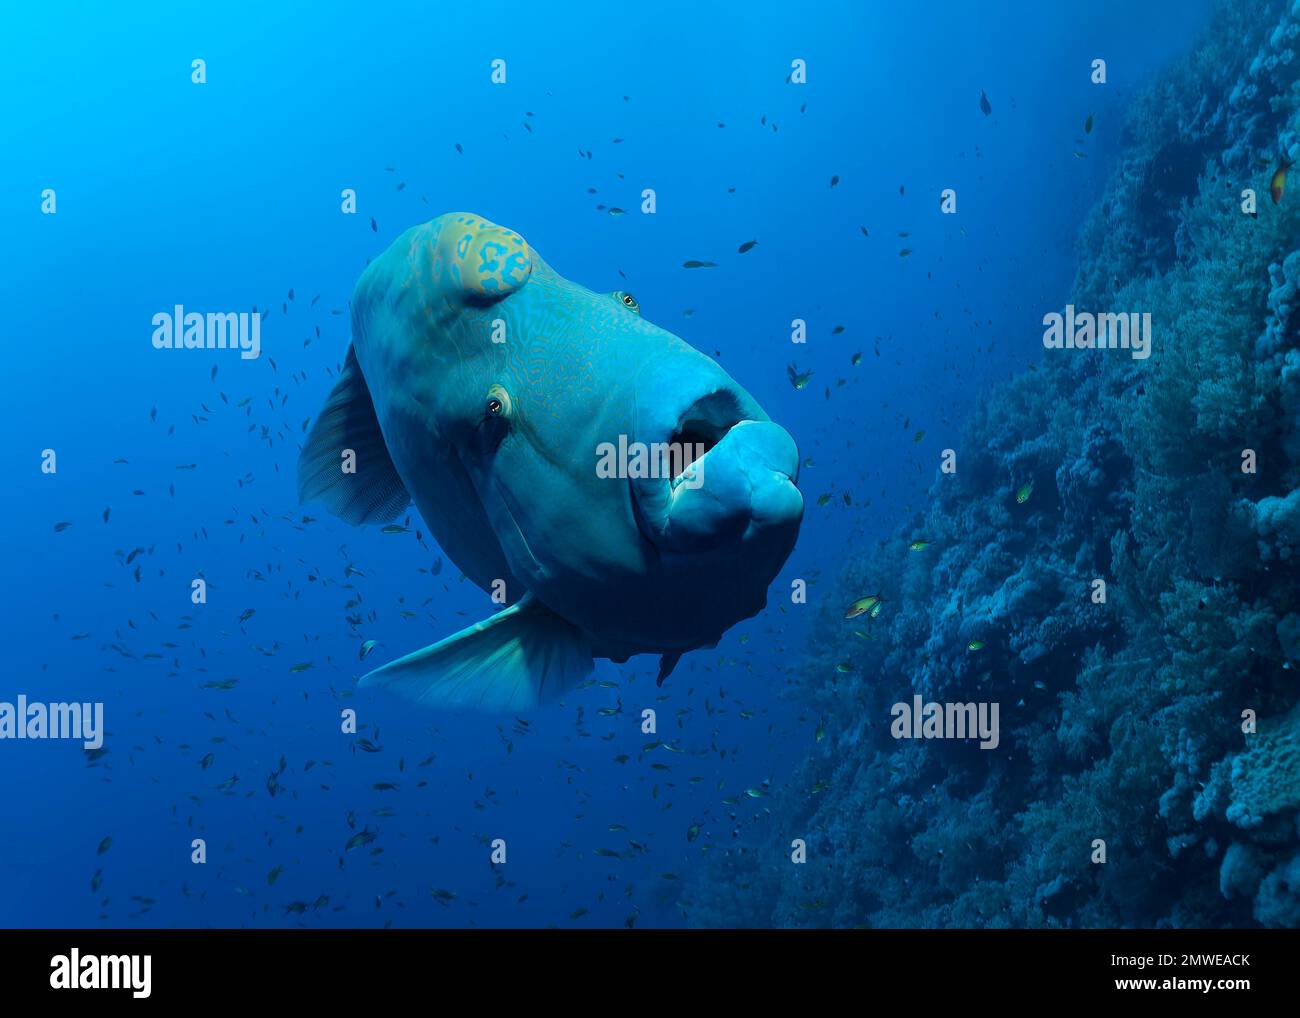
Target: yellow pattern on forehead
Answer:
pixel 480 259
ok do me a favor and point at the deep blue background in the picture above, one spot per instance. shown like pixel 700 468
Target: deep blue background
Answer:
pixel 226 195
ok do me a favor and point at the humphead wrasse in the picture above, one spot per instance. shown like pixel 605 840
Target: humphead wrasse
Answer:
pixel 524 415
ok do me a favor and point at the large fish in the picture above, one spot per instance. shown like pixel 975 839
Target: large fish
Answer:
pixel 497 394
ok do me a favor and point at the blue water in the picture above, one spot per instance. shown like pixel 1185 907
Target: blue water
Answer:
pixel 226 195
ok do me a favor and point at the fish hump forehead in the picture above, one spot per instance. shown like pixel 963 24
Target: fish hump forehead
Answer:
pixel 478 259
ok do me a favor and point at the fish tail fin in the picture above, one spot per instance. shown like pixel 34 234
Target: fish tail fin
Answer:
pixel 519 658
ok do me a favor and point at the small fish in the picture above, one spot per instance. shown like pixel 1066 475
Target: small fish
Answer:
pixel 363 837
pixel 274 875
pixel 302 667
pixel 693 264
pixel 798 379
pixel 104 846
pixel 835 180
pixel 692 832
pixel 1023 493
pixel 905 252
pixel 61 527
pixel 975 645
pixel 749 245
pixel 755 793
pixel 1278 184
pixel 1087 125
pixel 986 107
pixel 856 359
pixel 366 648
pixel 862 605
pixel 613 211
pixel 918 437
pixel 823 499
pixel 918 545
pixel 844 668
pixel 394 528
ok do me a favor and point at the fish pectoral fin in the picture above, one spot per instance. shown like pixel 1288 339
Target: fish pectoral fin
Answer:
pixel 519 658
pixel 373 492
pixel 667 662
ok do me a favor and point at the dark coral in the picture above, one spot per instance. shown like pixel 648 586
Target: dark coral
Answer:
pixel 1127 721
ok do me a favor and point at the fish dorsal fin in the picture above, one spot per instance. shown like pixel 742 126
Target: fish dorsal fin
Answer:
pixel 374 493
pixel 481 260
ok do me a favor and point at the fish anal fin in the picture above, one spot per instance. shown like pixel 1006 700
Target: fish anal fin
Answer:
pixel 667 662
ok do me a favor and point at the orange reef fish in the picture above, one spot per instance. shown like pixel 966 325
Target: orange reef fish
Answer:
pixel 1278 184
pixel 870 603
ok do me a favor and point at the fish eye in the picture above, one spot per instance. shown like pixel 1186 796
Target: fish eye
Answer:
pixel 498 402
pixel 628 301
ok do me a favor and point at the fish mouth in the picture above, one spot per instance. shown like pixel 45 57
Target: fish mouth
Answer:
pixel 727 472
pixel 700 428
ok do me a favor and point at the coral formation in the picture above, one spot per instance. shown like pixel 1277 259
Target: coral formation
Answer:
pixel 1174 479
pixel 1266 777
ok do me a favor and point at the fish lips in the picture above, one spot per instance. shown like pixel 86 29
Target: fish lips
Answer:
pixel 724 474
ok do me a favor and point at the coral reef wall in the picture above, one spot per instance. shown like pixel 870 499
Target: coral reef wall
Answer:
pixel 1120 721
